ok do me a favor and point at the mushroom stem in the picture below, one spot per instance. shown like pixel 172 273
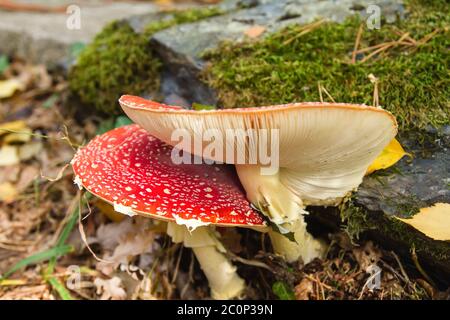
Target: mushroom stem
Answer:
pixel 304 246
pixel 223 279
pixel 283 208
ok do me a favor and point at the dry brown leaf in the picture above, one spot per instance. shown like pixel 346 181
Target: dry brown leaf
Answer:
pixel 304 289
pixel 9 173
pixel 29 150
pixel 110 289
pixel 433 221
pixel 367 255
pixel 255 31
pixel 27 176
pixel 108 234
pixel 43 118
pixel 127 239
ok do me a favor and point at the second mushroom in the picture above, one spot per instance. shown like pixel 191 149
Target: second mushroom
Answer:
pixel 134 172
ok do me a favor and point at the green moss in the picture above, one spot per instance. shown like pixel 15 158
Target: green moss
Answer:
pixel 121 61
pixel 179 17
pixel 118 61
pixel 287 66
pixel 354 219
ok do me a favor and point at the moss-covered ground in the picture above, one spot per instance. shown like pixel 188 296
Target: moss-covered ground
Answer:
pixel 410 58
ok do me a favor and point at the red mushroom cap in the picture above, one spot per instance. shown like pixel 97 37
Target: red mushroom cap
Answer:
pixel 134 171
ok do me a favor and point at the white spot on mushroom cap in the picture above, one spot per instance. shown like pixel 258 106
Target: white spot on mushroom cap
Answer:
pixel 77 180
pixel 123 209
pixel 191 224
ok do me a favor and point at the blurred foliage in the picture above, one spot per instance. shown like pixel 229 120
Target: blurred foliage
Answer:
pixel 4 63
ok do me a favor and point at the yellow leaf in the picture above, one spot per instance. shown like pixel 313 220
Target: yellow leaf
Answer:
pixel 7 192
pixel 21 136
pixel 433 221
pixel 9 87
pixel 9 155
pixel 12 126
pixel 388 157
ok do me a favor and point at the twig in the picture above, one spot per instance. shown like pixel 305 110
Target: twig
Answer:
pixel 306 29
pixel 357 41
pixel 374 47
pixel 254 263
pixel 43 136
pixel 409 38
pixel 386 46
pixel 425 39
pixel 327 93
pixel 316 279
pixel 419 267
pixel 319 87
pixel 83 234
pixel 394 272
pixel 58 176
pixel 12 247
pixel 428 37
pixel 400 265
pixel 374 80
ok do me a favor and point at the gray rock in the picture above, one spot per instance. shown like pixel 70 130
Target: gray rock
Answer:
pixel 181 46
pixel 401 191
pixel 45 38
pixel 411 183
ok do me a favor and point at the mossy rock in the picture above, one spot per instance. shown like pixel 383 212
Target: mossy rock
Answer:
pixel 288 66
pixel 122 61
pixel 118 61
pixel 393 234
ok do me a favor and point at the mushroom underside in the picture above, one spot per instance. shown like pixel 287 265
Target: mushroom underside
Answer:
pixel 321 152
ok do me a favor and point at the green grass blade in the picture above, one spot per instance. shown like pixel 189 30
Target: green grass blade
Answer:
pixel 60 288
pixel 65 233
pixel 39 257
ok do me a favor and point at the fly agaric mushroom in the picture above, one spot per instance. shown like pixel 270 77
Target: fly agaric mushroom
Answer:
pixel 134 172
pixel 324 152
